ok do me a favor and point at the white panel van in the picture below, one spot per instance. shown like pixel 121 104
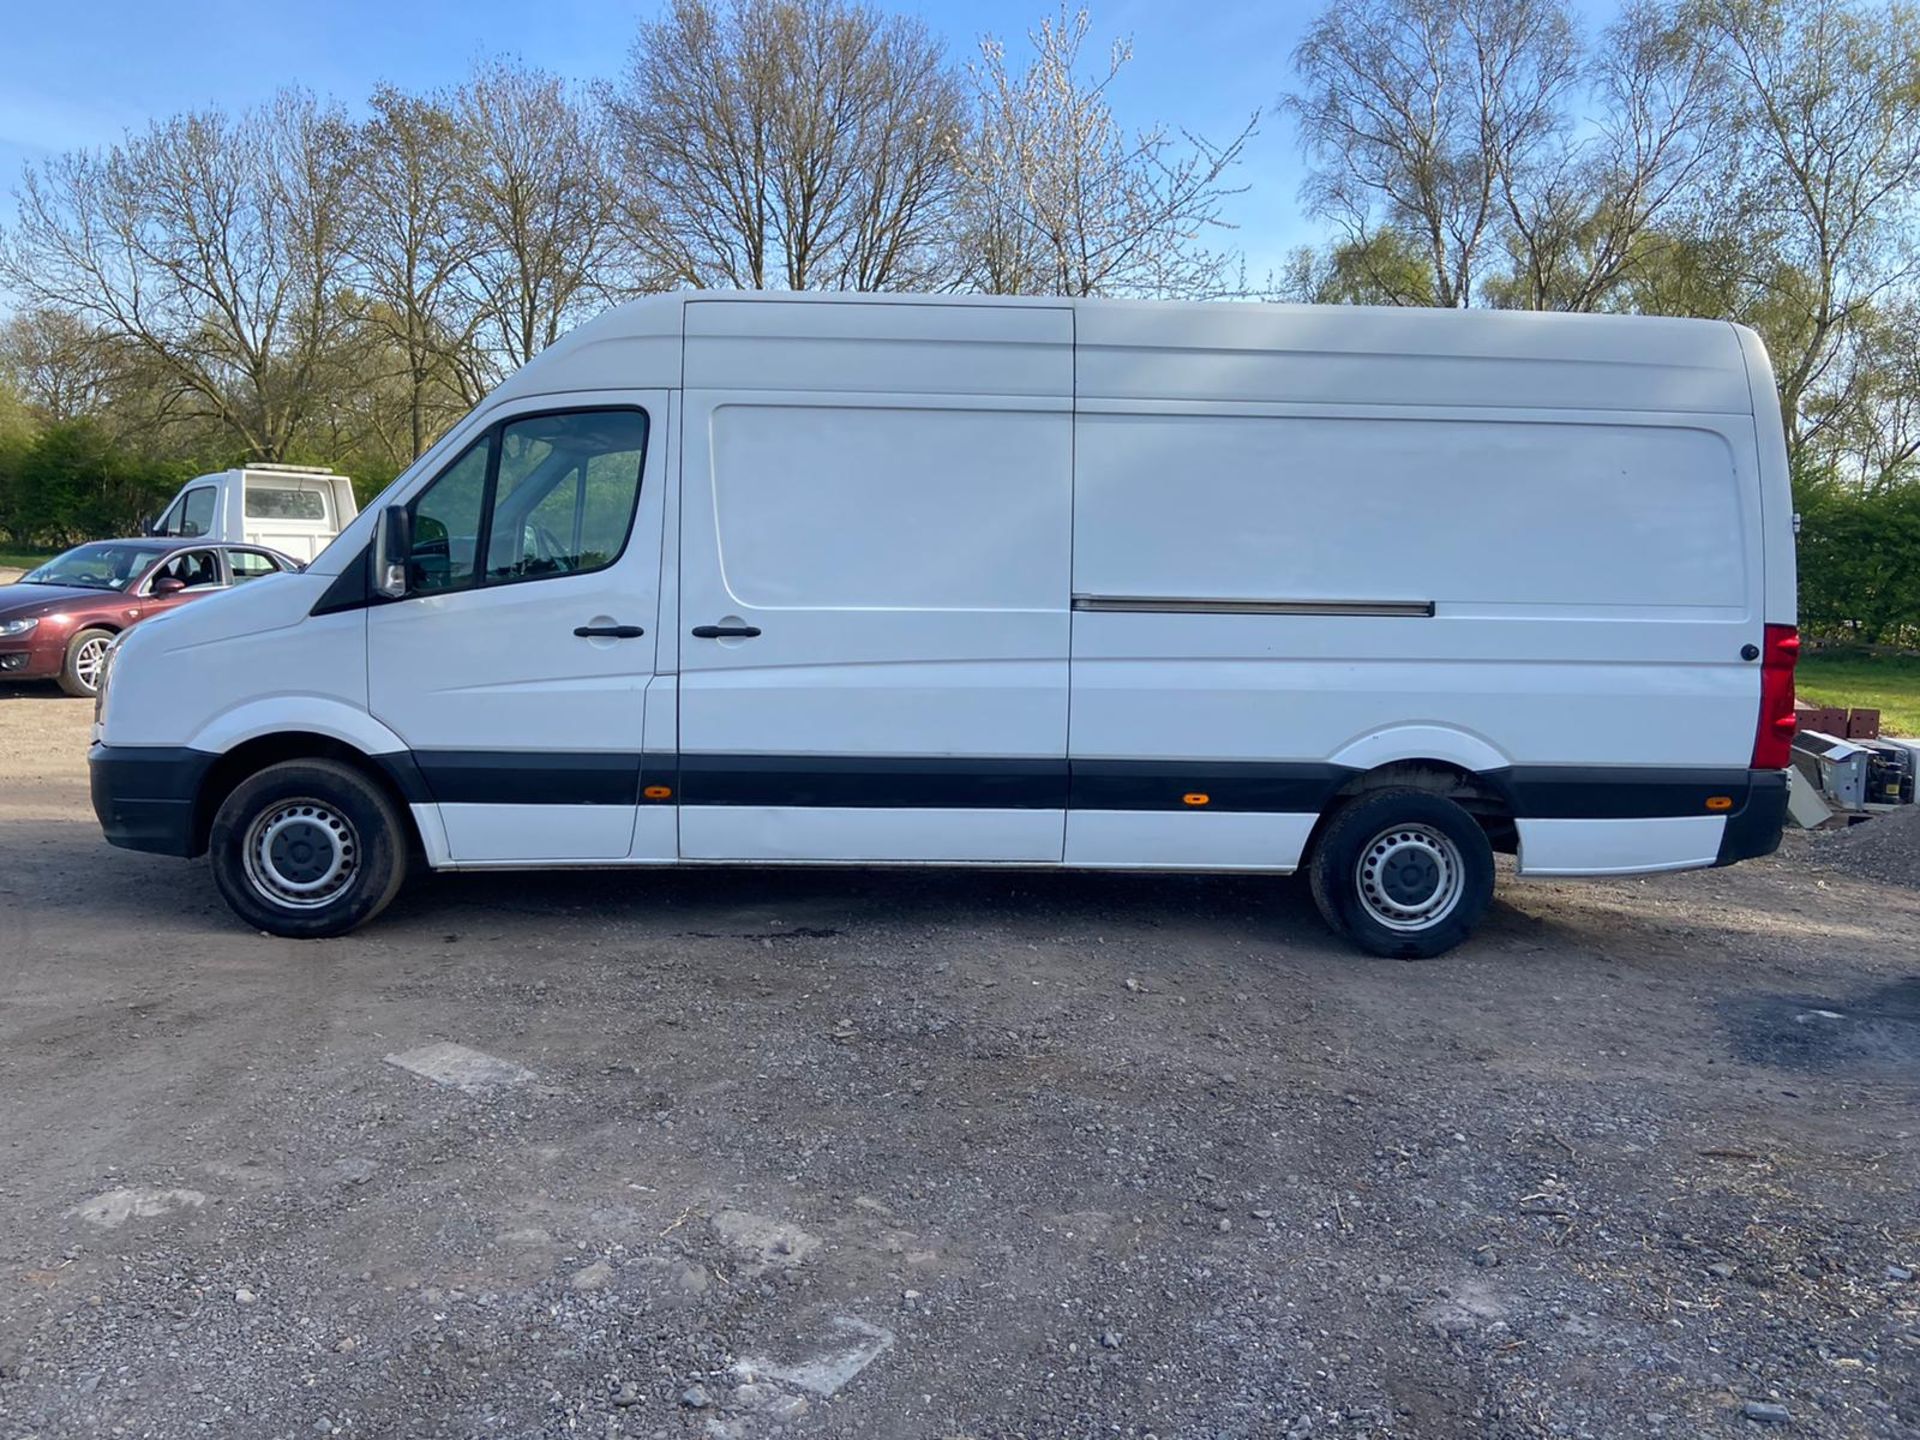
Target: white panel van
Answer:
pixel 295 509
pixel 864 580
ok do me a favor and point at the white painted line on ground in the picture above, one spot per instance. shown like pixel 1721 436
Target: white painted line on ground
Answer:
pixel 470 1071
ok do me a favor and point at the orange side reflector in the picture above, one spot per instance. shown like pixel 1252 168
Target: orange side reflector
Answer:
pixel 657 792
pixel 1195 799
pixel 1719 802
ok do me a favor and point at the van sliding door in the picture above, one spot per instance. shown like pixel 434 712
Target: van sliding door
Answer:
pixel 875 546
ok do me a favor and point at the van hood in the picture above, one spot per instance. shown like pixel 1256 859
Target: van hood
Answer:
pixel 273 602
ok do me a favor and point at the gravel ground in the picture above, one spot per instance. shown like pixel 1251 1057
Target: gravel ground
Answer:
pixel 1886 848
pixel 938 1155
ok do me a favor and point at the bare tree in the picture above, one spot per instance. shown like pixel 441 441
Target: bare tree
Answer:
pixel 1416 112
pixel 61 367
pixel 214 246
pixel 538 208
pixel 413 248
pixel 1869 414
pixel 1827 96
pixel 796 143
pixel 1388 268
pixel 1058 199
pixel 1588 207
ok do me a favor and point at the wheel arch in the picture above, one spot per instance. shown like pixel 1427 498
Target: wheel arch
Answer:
pixel 394 775
pixel 1472 790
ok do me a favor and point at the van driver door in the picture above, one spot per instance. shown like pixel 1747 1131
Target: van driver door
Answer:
pixel 517 667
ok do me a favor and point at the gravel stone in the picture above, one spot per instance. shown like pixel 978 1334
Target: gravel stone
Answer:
pixel 596 1276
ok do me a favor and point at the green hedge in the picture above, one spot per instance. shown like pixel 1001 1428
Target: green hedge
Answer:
pixel 1860 564
pixel 71 483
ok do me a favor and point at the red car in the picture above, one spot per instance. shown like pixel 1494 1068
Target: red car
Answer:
pixel 57 621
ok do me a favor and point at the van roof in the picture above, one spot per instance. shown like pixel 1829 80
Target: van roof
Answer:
pixel 1189 349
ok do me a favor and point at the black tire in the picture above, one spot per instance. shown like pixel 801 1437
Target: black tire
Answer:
pixel 317 824
pixel 1426 884
pixel 85 646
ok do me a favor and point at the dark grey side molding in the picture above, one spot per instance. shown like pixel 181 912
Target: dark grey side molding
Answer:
pixel 1198 605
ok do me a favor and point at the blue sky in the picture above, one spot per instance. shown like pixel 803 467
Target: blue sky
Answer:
pixel 78 75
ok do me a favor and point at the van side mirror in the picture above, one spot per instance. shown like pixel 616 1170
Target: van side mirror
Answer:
pixel 392 544
pixel 150 525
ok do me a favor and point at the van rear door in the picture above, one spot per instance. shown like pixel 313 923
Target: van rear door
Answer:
pixel 875 540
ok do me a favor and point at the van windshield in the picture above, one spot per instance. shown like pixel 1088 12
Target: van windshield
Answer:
pixel 103 565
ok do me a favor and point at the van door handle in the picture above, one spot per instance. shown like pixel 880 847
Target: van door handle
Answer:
pixel 717 632
pixel 611 632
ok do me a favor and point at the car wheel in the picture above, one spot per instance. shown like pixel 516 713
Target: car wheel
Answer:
pixel 86 659
pixel 1403 873
pixel 307 849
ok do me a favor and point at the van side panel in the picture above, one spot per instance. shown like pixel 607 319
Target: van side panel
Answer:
pixel 1497 510
pixel 1279 584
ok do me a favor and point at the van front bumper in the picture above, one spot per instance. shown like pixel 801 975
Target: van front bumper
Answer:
pixel 144 795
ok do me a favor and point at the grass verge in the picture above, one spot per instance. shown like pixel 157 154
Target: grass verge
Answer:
pixel 1850 678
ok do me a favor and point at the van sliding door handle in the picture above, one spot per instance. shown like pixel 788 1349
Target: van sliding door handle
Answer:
pixel 610 632
pixel 719 632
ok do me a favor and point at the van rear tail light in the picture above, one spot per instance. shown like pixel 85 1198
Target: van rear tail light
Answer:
pixel 1773 737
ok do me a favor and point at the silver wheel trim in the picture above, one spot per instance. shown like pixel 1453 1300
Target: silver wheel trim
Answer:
pixel 1399 843
pixel 325 825
pixel 88 659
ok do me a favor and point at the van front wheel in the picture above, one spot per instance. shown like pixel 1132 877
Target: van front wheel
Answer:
pixel 307 849
pixel 1403 873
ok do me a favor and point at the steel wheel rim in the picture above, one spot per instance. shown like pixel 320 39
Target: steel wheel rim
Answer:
pixel 1410 877
pixel 87 661
pixel 300 854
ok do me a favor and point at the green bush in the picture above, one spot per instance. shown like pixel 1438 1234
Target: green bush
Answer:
pixel 1860 564
pixel 72 483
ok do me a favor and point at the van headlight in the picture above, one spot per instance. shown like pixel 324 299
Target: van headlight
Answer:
pixel 11 628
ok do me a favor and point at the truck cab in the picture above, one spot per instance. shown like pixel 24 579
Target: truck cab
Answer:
pixel 294 509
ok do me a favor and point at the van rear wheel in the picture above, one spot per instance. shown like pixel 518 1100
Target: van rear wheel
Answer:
pixel 1403 873
pixel 307 849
